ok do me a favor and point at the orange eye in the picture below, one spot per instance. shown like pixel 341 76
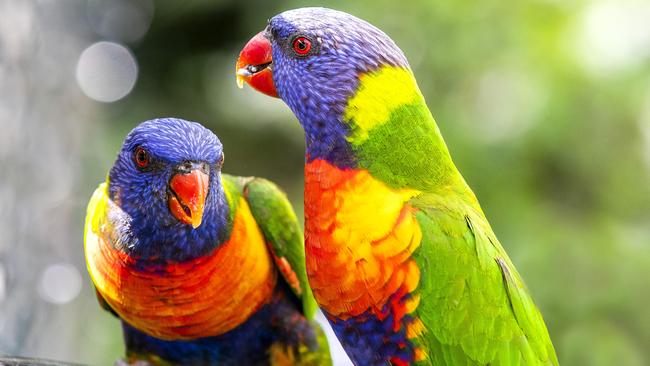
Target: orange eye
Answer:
pixel 301 46
pixel 141 157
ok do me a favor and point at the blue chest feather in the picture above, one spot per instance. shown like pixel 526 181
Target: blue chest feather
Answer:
pixel 278 322
pixel 371 341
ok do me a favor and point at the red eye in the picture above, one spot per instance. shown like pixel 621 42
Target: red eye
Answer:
pixel 301 45
pixel 141 157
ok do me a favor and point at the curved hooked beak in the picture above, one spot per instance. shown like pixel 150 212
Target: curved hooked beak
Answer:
pixel 254 65
pixel 188 190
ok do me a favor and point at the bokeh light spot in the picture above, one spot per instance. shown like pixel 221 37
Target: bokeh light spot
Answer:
pixel 615 35
pixel 3 286
pixel 122 20
pixel 506 104
pixel 60 283
pixel 644 127
pixel 106 71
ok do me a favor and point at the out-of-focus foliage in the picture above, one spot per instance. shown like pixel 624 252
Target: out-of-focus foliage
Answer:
pixel 545 105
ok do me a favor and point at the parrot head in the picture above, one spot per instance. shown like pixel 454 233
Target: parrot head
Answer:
pixel 312 58
pixel 166 179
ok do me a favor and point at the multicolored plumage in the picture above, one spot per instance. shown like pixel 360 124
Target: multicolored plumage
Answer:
pixel 399 253
pixel 202 267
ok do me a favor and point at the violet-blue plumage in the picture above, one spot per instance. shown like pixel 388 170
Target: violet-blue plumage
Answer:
pixel 369 340
pixel 329 76
pixel 275 323
pixel 148 229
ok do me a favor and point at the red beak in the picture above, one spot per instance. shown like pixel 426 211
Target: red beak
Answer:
pixel 187 199
pixel 254 65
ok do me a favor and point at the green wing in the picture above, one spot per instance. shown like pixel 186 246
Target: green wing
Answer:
pixel 476 308
pixel 280 227
pixel 275 216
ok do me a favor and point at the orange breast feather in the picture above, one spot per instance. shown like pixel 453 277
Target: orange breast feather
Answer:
pixel 360 235
pixel 203 297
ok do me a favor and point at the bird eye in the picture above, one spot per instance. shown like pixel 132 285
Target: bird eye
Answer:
pixel 301 45
pixel 141 157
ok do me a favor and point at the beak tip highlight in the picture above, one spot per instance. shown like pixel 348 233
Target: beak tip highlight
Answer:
pixel 241 73
pixel 253 65
pixel 196 223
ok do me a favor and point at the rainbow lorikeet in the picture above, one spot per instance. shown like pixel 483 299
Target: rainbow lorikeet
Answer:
pixel 399 253
pixel 201 267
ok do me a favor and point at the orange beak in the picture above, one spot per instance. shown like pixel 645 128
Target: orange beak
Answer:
pixel 187 198
pixel 254 65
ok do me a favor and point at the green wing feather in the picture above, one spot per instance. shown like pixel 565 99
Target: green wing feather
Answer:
pixel 473 304
pixel 476 308
pixel 275 216
pixel 278 222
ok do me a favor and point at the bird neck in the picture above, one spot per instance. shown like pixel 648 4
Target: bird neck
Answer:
pixel 386 128
pixel 151 237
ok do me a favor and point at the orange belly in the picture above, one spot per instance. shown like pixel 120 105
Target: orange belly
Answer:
pixel 203 297
pixel 360 236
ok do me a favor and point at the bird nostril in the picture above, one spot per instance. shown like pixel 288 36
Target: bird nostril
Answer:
pixel 187 167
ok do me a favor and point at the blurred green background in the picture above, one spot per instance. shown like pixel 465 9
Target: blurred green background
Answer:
pixel 545 106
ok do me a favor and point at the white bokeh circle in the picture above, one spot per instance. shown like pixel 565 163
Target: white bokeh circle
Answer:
pixel 106 71
pixel 60 283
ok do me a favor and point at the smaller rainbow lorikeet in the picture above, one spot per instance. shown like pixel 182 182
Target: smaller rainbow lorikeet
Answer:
pixel 203 268
pixel 400 255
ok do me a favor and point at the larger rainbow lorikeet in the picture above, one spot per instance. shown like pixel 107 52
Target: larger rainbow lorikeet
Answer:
pixel 203 268
pixel 399 253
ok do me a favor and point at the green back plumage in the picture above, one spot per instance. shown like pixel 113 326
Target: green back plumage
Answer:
pixel 475 306
pixel 394 135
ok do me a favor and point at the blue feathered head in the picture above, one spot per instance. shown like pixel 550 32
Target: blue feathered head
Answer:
pixel 312 59
pixel 166 179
